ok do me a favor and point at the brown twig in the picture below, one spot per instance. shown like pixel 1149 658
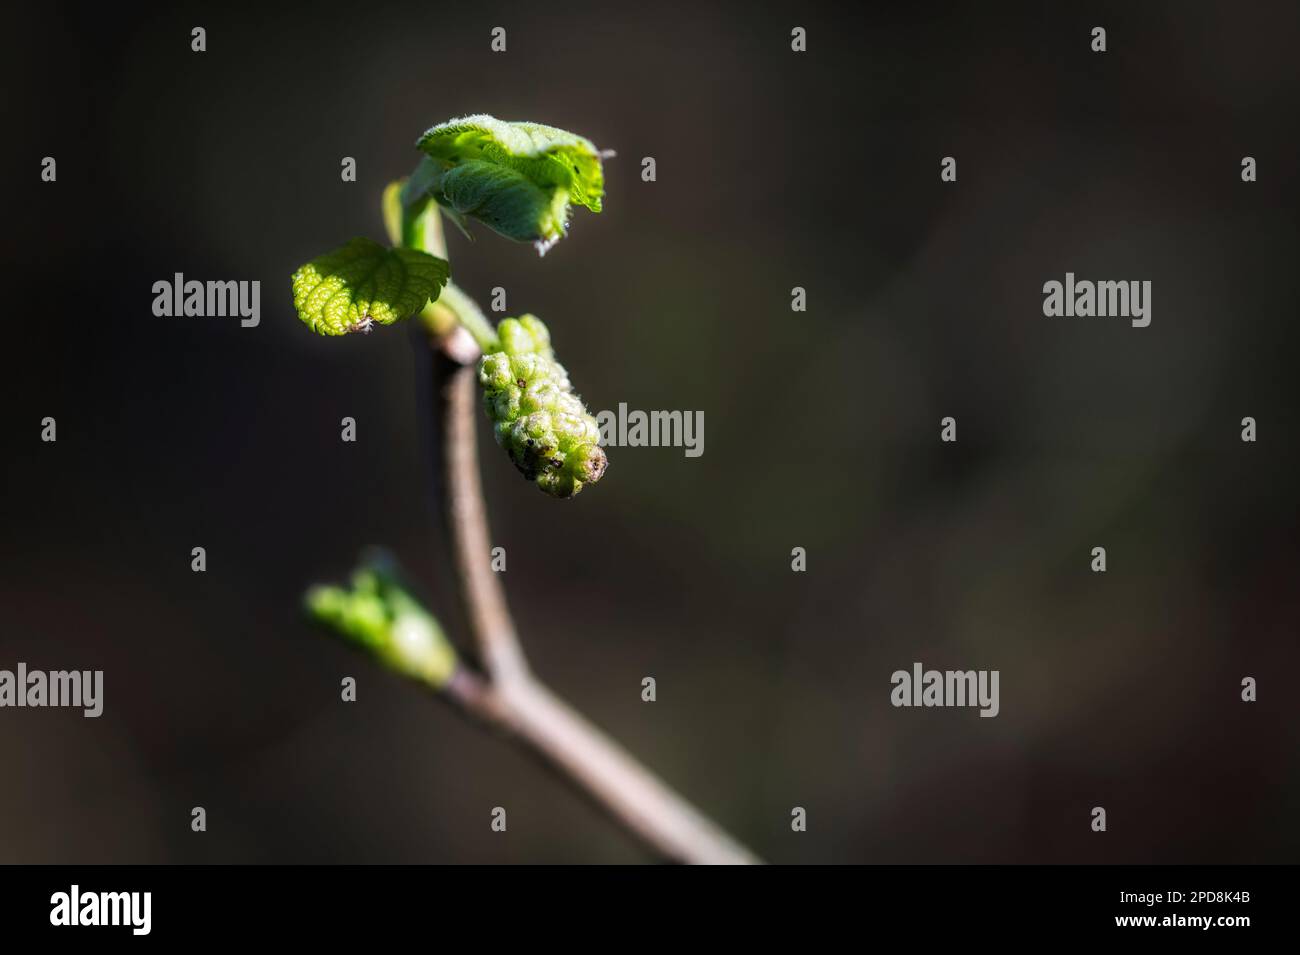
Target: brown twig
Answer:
pixel 485 600
pixel 510 697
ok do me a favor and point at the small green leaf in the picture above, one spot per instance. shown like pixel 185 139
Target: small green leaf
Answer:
pixel 505 201
pixel 517 178
pixel 353 287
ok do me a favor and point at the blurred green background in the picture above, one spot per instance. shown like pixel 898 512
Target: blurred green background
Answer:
pixel 775 169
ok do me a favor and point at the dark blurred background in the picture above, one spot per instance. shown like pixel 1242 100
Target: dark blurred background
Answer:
pixel 775 169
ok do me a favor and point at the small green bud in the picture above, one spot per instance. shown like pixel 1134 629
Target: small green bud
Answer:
pixel 379 616
pixel 525 336
pixel 495 372
pixel 543 426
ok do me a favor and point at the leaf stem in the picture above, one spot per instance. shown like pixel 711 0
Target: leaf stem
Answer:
pixel 419 226
pixel 470 317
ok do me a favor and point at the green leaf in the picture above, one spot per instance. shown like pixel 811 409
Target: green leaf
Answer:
pixel 517 178
pixel 506 202
pixel 353 287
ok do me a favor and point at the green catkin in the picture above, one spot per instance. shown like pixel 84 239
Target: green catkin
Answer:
pixel 536 417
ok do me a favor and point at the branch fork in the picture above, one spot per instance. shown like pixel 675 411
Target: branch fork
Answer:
pixel 508 695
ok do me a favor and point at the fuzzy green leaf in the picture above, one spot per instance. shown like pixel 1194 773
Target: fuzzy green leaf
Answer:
pixel 517 178
pixel 363 283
